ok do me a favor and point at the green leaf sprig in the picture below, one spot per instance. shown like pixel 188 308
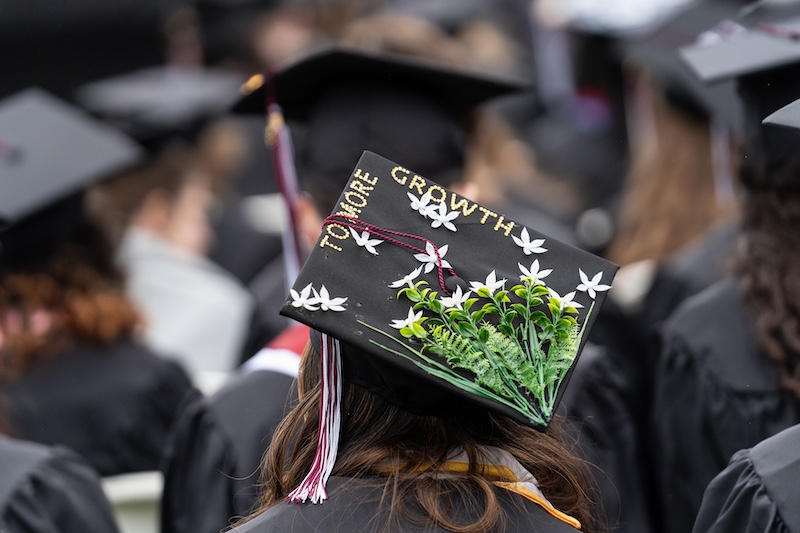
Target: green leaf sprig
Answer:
pixel 516 345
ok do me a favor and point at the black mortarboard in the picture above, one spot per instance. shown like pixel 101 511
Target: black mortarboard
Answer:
pixel 788 116
pixel 373 283
pixel 158 104
pixel 49 153
pixel 408 109
pixel 761 51
pixel 439 305
pixel 658 53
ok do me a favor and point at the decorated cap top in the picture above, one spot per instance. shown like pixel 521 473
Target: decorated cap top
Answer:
pixel 443 305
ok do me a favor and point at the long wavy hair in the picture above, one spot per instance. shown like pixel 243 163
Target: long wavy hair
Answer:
pixel 768 264
pixel 76 293
pixel 384 442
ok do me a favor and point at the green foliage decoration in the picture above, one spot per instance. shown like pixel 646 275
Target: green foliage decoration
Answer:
pixel 512 346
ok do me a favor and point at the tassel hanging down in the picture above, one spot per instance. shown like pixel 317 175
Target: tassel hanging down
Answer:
pixel 330 420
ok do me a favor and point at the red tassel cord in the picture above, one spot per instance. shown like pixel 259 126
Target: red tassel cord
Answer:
pixel 330 421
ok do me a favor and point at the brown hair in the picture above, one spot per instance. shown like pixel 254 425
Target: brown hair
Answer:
pixel 378 439
pixel 115 202
pixel 81 290
pixel 768 266
pixel 669 197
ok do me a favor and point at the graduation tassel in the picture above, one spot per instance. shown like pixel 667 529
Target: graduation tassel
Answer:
pixel 278 139
pixel 330 421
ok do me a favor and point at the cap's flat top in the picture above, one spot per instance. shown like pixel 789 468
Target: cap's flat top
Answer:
pixel 162 97
pixel 300 84
pixel 360 269
pixel 48 150
pixel 761 48
pixel 788 116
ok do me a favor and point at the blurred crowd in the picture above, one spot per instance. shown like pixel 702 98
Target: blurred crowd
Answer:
pixel 141 282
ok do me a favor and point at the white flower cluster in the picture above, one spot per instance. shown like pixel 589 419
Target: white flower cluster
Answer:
pixel 533 275
pixel 439 215
pixel 311 300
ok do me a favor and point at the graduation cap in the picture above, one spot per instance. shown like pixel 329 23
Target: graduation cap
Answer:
pixel 49 153
pixel 157 105
pixel 787 117
pixel 348 101
pixel 681 87
pixel 440 305
pixel 761 52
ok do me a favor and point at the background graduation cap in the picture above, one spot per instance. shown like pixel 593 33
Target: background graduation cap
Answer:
pixel 787 117
pixel 761 51
pixel 440 305
pixel 157 105
pixel 682 89
pixel 50 153
pixel 347 101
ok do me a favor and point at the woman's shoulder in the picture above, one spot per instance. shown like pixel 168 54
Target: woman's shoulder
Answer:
pixel 716 332
pixel 359 506
pixel 48 489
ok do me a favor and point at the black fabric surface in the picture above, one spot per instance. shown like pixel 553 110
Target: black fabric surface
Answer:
pixel 216 450
pixel 604 408
pixel 44 490
pixel 113 405
pixel 355 506
pixel 758 491
pixel 714 393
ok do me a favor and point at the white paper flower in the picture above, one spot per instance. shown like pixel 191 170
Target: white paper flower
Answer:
pixel 440 216
pixel 412 317
pixel 491 284
pixel 421 204
pixel 565 301
pixel 326 303
pixel 534 275
pixel 407 280
pixel 529 246
pixel 429 257
pixel 365 241
pixel 302 299
pixel 592 286
pixel 456 300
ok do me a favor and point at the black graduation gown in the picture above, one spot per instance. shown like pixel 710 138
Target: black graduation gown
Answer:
pixel 714 393
pixel 604 409
pixel 758 492
pixel 689 271
pixel 49 490
pixel 114 405
pixel 354 506
pixel 216 451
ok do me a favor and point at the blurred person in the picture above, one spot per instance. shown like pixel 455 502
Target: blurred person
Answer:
pixel 220 443
pixel 725 376
pixel 73 371
pixel 675 232
pixel 498 161
pixel 49 490
pixel 195 310
pixel 387 436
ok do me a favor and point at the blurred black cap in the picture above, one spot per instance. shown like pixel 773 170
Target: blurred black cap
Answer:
pixel 760 50
pixel 350 101
pixel 50 152
pixel 788 116
pixel 657 52
pixel 157 105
